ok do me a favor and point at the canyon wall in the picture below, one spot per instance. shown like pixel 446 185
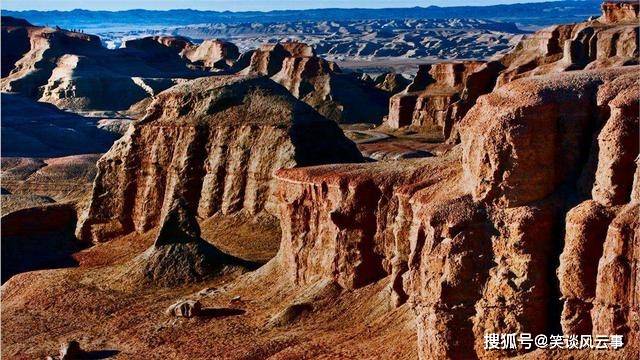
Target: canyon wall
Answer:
pixel 223 138
pixel 472 245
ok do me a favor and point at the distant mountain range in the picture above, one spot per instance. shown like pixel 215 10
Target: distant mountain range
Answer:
pixel 527 14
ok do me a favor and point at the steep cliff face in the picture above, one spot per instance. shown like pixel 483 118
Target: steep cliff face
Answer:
pixel 73 71
pixel 440 95
pixel 320 83
pixel 472 247
pixel 216 143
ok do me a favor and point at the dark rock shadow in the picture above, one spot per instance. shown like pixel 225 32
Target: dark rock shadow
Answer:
pixel 220 312
pixel 39 238
pixel 100 354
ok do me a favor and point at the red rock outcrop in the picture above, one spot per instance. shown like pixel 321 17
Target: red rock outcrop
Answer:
pixel 469 239
pixel 320 83
pixel 558 48
pixel 223 138
pixel 440 95
pixel 437 100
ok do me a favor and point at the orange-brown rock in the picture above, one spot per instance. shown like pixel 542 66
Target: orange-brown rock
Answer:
pixel 616 309
pixel 472 245
pixel 213 54
pixel 440 95
pixel 179 255
pixel 561 48
pixel 619 11
pixel 216 143
pixel 320 83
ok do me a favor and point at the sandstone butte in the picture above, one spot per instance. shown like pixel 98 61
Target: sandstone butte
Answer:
pixel 531 223
pixel 320 83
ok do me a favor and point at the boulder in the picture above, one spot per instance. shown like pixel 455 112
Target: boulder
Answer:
pixel 185 308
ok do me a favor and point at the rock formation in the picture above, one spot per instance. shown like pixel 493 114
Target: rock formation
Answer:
pixel 442 93
pixel 211 54
pixel 391 82
pixel 470 239
pixel 223 138
pixel 320 83
pixel 619 11
pixel 214 54
pixel 73 71
pixel 530 224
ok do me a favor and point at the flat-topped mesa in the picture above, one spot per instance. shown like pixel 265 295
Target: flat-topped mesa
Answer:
pixel 215 142
pixel 320 83
pixel 614 11
pixel 440 95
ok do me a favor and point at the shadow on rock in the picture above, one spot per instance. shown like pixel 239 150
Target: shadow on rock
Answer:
pixel 39 238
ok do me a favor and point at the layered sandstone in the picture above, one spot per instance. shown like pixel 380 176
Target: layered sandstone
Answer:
pixel 215 142
pixel 559 48
pixel 320 83
pixel 619 11
pixel 472 245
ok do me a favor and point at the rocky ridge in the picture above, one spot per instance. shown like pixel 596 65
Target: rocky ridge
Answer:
pixel 471 237
pixel 545 177
pixel 74 71
pixel 434 101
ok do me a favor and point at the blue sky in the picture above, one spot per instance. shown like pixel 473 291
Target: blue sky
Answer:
pixel 233 5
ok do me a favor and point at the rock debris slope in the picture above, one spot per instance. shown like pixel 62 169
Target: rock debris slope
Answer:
pixel 179 255
pixel 214 142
